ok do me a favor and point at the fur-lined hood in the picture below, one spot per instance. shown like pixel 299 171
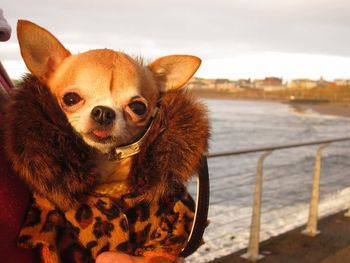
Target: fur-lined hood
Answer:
pixel 55 162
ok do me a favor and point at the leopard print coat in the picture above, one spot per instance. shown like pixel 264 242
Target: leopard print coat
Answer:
pixel 71 219
pixel 121 221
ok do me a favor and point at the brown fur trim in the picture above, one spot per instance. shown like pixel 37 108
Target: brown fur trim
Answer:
pixel 178 139
pixel 43 148
pixel 56 163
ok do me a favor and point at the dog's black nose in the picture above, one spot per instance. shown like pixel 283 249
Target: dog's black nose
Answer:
pixel 103 115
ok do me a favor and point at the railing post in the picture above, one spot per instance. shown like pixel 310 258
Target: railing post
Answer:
pixel 311 227
pixel 253 246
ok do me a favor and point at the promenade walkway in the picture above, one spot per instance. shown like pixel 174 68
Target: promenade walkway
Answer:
pixel 331 246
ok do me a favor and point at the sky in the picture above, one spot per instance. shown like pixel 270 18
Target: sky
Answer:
pixel 234 38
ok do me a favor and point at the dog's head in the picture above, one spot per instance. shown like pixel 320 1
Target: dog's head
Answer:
pixel 107 96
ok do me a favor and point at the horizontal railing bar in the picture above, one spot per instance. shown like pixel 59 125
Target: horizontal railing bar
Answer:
pixel 272 148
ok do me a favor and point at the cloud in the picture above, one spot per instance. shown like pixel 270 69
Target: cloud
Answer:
pixel 219 29
pixel 286 65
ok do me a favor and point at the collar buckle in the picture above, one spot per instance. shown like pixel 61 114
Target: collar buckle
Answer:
pixel 123 152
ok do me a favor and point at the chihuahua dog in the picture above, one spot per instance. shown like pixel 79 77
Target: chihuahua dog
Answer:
pixel 107 96
pixel 111 101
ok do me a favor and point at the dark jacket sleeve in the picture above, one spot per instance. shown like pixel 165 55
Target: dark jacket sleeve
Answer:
pixel 14 200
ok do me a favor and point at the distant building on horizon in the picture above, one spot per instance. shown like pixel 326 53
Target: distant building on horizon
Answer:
pixel 226 85
pixel 302 84
pixel 325 83
pixel 200 83
pixel 245 83
pixel 342 82
pixel 269 84
pixel 213 84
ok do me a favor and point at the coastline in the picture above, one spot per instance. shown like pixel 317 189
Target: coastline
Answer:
pixel 328 108
pixel 339 109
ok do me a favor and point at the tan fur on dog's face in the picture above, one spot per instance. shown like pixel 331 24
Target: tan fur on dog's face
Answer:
pixel 102 78
pixel 107 78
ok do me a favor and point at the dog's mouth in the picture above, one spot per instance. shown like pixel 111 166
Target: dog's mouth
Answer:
pixel 100 136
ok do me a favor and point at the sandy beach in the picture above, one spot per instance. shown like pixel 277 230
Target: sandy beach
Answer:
pixel 327 108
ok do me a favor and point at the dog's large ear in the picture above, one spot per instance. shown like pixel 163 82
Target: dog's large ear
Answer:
pixel 173 72
pixel 41 51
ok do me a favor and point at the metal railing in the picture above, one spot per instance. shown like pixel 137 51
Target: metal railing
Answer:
pixel 311 227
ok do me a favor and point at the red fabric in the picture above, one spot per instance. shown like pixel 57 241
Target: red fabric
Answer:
pixel 5 80
pixel 14 198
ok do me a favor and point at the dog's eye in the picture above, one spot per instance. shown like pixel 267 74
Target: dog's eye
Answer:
pixel 138 107
pixel 71 98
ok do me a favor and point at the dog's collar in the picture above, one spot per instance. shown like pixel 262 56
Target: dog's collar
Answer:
pixel 126 151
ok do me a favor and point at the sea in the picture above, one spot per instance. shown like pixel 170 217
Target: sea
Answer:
pixel 287 179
